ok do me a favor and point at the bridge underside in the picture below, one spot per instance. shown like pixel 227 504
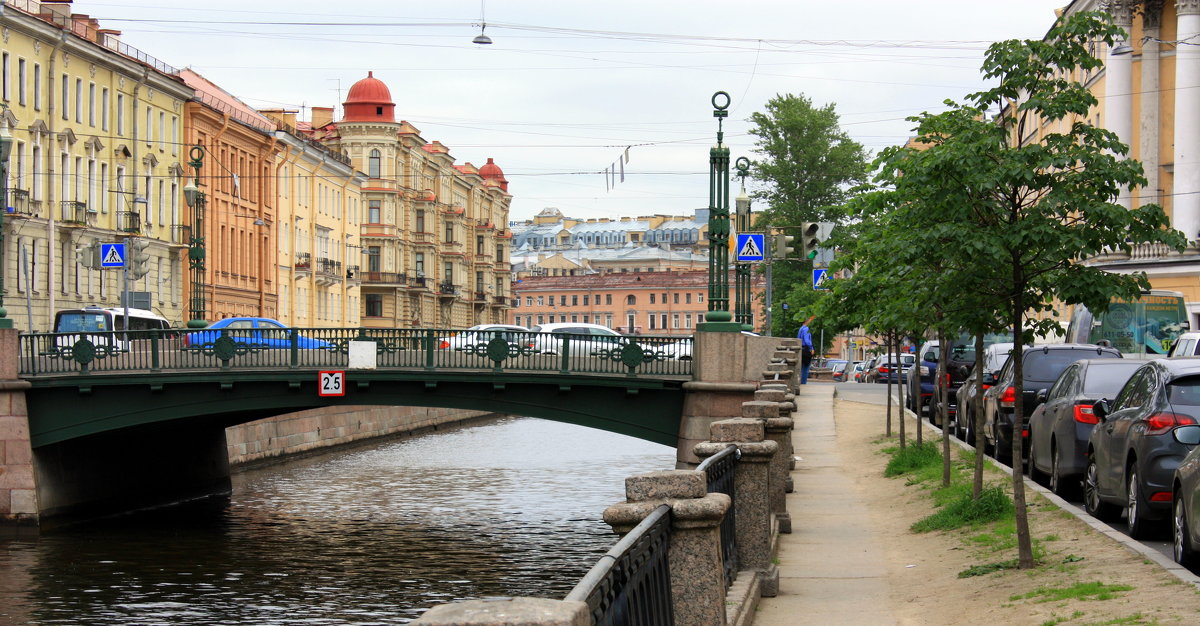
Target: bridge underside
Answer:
pixel 119 444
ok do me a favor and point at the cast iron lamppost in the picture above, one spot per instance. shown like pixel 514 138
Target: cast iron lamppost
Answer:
pixel 743 314
pixel 718 318
pixel 196 201
pixel 6 144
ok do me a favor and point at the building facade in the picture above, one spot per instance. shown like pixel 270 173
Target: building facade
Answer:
pixel 653 303
pixel 433 236
pixel 97 130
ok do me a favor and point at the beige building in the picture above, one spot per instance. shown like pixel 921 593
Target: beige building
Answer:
pixel 97 130
pixel 434 243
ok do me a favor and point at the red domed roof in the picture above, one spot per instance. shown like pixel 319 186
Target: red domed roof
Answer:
pixel 491 171
pixel 369 100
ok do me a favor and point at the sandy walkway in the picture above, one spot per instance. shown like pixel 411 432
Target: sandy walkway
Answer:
pixel 852 560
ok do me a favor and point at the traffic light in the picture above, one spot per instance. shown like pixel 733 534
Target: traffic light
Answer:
pixel 781 246
pixel 89 255
pixel 139 259
pixel 810 239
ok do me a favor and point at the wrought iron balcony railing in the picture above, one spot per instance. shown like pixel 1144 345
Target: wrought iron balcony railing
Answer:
pixel 129 221
pixel 74 212
pixel 448 289
pixel 18 201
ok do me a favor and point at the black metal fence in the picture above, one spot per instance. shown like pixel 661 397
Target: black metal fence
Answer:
pixel 719 470
pixel 631 585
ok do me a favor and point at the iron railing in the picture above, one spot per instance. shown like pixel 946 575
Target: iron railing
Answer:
pixel 631 585
pixel 427 349
pixel 718 470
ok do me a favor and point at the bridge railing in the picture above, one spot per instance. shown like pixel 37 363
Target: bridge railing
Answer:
pixel 394 348
pixel 718 471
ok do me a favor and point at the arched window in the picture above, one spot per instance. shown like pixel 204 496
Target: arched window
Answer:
pixel 373 164
pixel 631 299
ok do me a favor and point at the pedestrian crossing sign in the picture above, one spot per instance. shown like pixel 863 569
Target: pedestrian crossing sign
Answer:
pixel 112 255
pixel 750 247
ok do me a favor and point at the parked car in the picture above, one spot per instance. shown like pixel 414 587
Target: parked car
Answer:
pixel 890 368
pixel 1060 427
pixel 481 334
pixel 845 373
pixel 1188 344
pixel 835 366
pixel 1041 366
pixel 864 375
pixel 1132 454
pixel 921 388
pixel 258 332
pixel 1185 505
pixel 582 339
pixel 994 357
pixel 856 373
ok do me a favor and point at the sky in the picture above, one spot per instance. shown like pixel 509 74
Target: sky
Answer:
pixel 570 89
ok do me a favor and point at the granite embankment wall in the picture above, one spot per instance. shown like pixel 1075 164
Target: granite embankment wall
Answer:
pixel 328 427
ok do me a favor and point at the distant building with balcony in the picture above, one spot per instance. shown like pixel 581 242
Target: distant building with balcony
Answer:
pixel 97 127
pixel 435 249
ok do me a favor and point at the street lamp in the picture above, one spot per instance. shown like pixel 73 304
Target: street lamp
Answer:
pixel 196 201
pixel 742 312
pixel 718 317
pixel 6 144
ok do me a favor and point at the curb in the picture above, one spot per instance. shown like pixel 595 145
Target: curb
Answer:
pixel 1135 546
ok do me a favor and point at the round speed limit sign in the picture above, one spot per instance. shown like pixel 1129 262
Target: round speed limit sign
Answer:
pixel 332 384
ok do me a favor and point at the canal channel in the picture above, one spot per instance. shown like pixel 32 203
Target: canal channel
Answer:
pixel 373 535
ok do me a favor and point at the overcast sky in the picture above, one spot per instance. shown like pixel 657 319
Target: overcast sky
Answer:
pixel 567 86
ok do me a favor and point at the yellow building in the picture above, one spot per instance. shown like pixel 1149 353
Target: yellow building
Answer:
pixel 435 249
pixel 320 214
pixel 1149 93
pixel 96 158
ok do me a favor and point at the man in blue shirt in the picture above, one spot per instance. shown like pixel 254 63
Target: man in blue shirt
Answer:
pixel 806 349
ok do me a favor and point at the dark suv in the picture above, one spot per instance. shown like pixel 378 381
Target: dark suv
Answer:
pixel 922 390
pixel 1042 365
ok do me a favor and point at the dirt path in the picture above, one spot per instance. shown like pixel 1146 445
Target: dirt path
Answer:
pixel 851 558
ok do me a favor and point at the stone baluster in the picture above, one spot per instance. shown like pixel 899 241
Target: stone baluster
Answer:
pixel 752 511
pixel 697 569
pixel 508 612
pixel 767 414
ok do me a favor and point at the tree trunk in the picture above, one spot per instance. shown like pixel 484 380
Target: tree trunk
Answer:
pixel 942 391
pixel 887 346
pixel 977 416
pixel 1024 544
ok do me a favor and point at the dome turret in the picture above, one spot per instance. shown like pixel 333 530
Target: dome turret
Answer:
pixel 369 100
pixel 492 172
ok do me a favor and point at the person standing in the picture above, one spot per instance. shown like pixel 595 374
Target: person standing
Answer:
pixel 806 349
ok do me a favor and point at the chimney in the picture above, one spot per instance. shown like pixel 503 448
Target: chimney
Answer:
pixel 108 37
pixel 59 11
pixel 321 116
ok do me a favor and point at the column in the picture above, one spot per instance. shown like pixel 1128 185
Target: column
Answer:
pixel 1186 196
pixel 1118 83
pixel 1149 100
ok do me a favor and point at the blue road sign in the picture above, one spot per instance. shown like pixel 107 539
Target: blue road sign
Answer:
pixel 750 247
pixel 819 278
pixel 112 255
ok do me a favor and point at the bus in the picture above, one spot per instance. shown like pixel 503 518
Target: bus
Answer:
pixel 103 325
pixel 1141 328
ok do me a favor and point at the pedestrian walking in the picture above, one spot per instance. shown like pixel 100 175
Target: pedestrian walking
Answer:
pixel 806 349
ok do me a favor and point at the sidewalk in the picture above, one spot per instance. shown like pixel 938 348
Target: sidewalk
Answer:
pixel 832 561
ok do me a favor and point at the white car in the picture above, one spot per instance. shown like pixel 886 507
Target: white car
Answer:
pixel 481 334
pixel 582 339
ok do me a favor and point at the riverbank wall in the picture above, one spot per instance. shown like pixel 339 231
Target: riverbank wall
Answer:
pixel 306 432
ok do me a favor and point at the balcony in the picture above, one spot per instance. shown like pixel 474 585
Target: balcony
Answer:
pixel 18 201
pixel 353 274
pixel 423 239
pixel 303 265
pixel 448 290
pixel 500 300
pixel 181 234
pixel 74 213
pixel 329 272
pixel 382 279
pixel 418 282
pixel 129 222
pixel 452 247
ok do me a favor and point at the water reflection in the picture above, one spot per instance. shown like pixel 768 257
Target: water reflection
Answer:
pixel 373 536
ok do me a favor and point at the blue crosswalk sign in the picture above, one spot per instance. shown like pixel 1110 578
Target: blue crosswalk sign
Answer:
pixel 819 278
pixel 750 247
pixel 112 255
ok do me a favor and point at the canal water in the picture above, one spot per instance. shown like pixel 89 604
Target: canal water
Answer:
pixel 368 536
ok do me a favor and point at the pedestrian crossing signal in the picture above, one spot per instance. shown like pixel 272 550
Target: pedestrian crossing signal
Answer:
pixel 782 247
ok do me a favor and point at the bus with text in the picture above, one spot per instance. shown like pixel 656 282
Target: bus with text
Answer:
pixel 1141 328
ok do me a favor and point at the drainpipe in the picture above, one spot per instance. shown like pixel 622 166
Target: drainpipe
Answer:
pixel 283 222
pixel 209 268
pixel 51 157
pixel 263 248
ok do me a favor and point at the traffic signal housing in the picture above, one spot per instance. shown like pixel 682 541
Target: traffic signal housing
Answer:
pixel 139 259
pixel 781 246
pixel 810 239
pixel 89 255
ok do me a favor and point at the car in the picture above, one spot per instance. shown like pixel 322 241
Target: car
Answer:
pixel 994 357
pixel 257 332
pixel 856 373
pixel 1060 427
pixel 894 368
pixel 1188 344
pixel 1185 505
pixel 579 339
pixel 835 366
pixel 1132 453
pixel 922 387
pixel 1041 365
pixel 845 373
pixel 481 334
pixel 864 375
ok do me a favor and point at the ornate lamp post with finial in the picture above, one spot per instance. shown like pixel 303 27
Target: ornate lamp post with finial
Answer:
pixel 743 314
pixel 718 318
pixel 196 200
pixel 6 144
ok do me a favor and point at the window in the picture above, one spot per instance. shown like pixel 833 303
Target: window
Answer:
pixel 37 86
pixel 675 320
pixel 449 231
pixel 419 264
pixel 21 82
pixel 373 164
pixel 651 298
pixel 562 300
pixel 499 253
pixel 147 128
pixel 373 302
pixel 120 114
pixel 91 104
pixel 699 298
pixel 631 299
pixel 162 129
pixel 448 272
pixel 608 300
pixel 174 134
pixel 7 71
pixel 104 108
pixel 574 300
pixel 479 244
pixel 675 299
pixel 585 299
pixel 373 212
pixel 687 298
pixel 516 303
pixel 541 301
pixel 662 321
pixel 420 226
pixel 63 97
pixel 78 101
pixel 650 318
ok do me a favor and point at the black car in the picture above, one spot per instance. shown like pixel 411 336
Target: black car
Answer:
pixel 1041 367
pixel 1060 427
pixel 1185 503
pixel 994 357
pixel 1132 455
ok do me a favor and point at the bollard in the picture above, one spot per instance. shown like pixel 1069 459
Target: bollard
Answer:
pixel 697 570
pixel 752 510
pixel 507 612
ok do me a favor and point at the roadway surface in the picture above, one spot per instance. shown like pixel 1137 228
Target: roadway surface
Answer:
pixel 876 394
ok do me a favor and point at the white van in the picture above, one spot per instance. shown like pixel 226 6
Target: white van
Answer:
pixel 103 325
pixel 1188 344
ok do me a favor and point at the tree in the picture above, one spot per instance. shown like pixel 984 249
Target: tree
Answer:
pixel 1029 215
pixel 806 165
